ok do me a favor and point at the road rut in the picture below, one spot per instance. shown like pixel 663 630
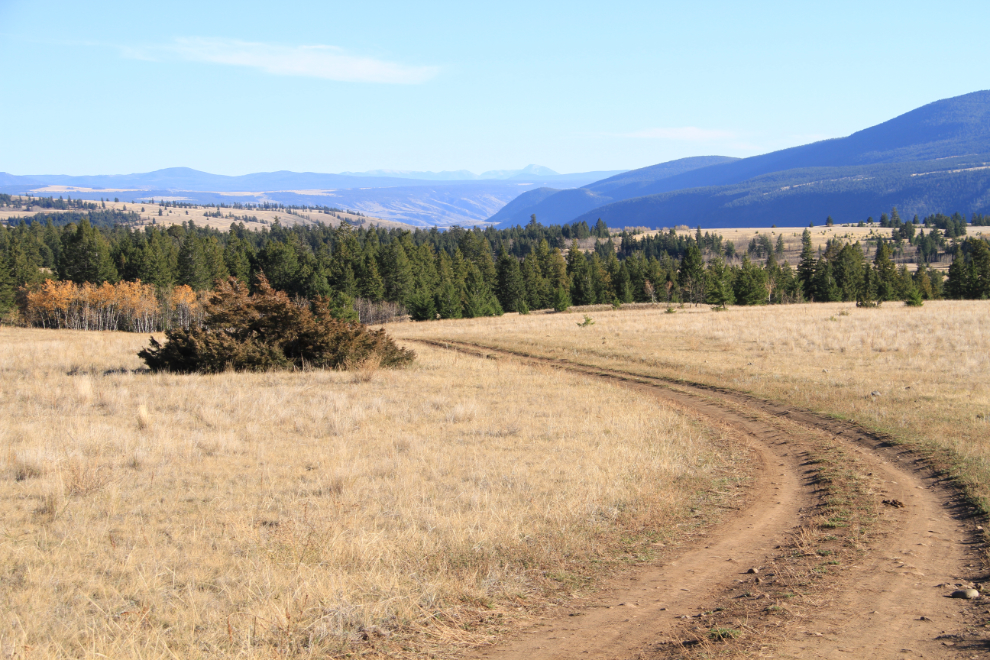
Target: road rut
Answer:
pixel 892 604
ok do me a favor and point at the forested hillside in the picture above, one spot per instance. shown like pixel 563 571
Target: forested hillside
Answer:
pixel 467 273
pixel 932 158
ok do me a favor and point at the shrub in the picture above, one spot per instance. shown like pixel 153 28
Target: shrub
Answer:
pixel 266 330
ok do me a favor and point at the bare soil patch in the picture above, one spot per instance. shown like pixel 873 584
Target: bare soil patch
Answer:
pixel 823 577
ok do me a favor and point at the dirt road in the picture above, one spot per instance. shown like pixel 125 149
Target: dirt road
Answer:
pixel 892 602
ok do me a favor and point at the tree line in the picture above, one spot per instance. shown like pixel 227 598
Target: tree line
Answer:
pixel 478 272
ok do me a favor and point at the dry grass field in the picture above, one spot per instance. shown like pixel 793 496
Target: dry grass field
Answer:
pixel 400 513
pixel 917 373
pixel 820 235
pixel 173 216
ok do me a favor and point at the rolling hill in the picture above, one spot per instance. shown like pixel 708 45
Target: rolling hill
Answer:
pixel 934 158
pixel 446 199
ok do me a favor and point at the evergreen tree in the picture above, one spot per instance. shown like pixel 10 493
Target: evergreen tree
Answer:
pixel 622 284
pixel 561 299
pixel 537 289
pixel 923 282
pixel 886 272
pixel 479 299
pixel 279 261
pixel 371 286
pixel 236 259
pixel 718 289
pixel 806 267
pixel 582 289
pixel 86 256
pixel 824 286
pixel 448 295
pixel 690 275
pixel 397 273
pixel 159 261
pixel 194 271
pixel 511 289
pixel 6 287
pixel 23 270
pixel 750 287
pixel 213 255
pixel 847 268
pixel 958 285
pixel 979 287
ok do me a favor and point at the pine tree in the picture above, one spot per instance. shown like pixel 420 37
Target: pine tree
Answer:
pixel 6 287
pixel 235 257
pixel 750 287
pixel 511 289
pixel 279 262
pixel 886 273
pixel 623 285
pixel 867 294
pixel 479 299
pixel 86 256
pixel 582 289
pixel 159 261
pixel 691 274
pixel 824 286
pixel 806 267
pixel 979 286
pixel 537 290
pixel 194 271
pixel 213 254
pixel 718 286
pixel 958 285
pixel 447 296
pixel 371 286
pixel 397 273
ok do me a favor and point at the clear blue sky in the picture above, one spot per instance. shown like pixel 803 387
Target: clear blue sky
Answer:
pixel 237 87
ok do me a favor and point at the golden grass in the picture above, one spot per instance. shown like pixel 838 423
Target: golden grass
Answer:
pixel 928 365
pixel 174 216
pixel 315 513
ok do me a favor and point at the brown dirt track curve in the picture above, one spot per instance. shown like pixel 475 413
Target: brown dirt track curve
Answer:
pixel 893 603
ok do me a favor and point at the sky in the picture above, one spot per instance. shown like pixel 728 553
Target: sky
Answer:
pixel 240 87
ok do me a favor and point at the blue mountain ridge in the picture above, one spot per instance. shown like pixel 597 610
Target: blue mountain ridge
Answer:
pixel 923 161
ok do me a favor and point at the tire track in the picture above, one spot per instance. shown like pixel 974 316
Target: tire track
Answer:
pixel 885 606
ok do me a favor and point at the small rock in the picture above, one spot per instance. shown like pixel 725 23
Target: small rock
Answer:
pixel 924 618
pixel 875 393
pixel 824 371
pixel 753 571
pixel 968 594
pixel 627 605
pixel 897 504
pixel 759 580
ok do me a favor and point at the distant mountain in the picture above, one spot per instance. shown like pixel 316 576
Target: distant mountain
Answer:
pixel 563 205
pixel 934 158
pixel 468 201
pixel 529 173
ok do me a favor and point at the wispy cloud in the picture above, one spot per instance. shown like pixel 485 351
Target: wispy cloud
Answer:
pixel 683 133
pixel 326 62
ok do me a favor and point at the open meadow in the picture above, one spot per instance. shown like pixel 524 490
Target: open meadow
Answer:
pixel 203 216
pixel 919 374
pixel 305 514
